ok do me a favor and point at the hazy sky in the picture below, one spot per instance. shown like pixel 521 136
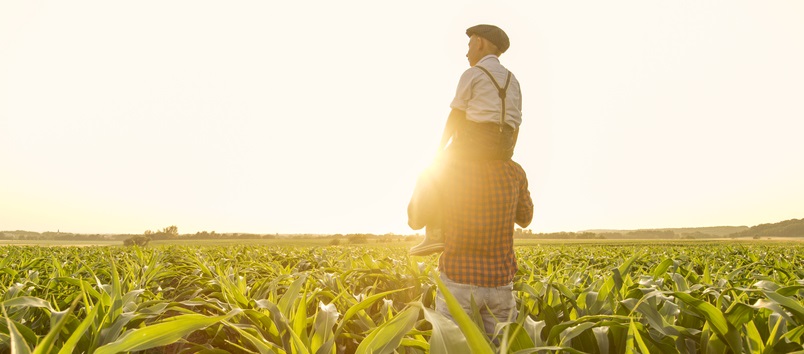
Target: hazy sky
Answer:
pixel 316 116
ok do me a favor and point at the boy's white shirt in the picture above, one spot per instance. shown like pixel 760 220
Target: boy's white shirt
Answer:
pixel 483 104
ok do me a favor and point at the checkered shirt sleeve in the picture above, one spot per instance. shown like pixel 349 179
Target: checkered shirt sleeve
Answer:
pixel 482 202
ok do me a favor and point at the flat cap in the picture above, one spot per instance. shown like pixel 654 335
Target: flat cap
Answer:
pixel 492 33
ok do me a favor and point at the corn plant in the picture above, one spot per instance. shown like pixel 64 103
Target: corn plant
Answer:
pixel 671 298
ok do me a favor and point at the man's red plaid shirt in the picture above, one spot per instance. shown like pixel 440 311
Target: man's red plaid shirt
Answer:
pixel 482 201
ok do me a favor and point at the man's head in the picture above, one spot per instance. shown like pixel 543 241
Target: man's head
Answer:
pixel 485 40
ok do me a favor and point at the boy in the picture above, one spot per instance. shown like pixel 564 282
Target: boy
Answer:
pixel 483 125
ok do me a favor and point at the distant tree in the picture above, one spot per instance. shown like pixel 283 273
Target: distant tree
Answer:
pixel 138 240
pixel 651 234
pixel 171 231
pixel 586 235
pixel 787 228
pixel 357 238
pixel 166 233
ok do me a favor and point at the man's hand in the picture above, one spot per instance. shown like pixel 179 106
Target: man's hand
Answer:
pixel 455 118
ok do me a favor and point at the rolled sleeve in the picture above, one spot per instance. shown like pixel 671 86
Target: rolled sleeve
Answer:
pixel 524 208
pixel 464 92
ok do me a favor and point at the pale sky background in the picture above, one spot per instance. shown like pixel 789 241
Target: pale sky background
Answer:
pixel 316 116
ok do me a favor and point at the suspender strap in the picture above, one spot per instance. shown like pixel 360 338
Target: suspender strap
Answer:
pixel 501 91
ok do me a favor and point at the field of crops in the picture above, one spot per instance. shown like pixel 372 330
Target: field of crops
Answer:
pixel 694 298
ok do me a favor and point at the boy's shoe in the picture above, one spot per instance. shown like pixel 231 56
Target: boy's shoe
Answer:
pixel 433 243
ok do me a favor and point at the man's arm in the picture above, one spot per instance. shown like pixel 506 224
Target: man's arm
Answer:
pixel 524 206
pixel 456 116
pixel 421 204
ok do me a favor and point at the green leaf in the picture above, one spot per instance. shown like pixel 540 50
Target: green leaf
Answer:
pixel 515 338
pixel 446 336
pixel 767 285
pixel 681 283
pixel 534 329
pixel 262 346
pixel 633 331
pixel 386 338
pixel 27 301
pixel 362 305
pixel 602 338
pixel 18 344
pixel 773 306
pixel 715 319
pixel 792 305
pixel 754 338
pixel 161 334
pixel 475 337
pixel 789 290
pixel 300 321
pixel 739 314
pixel 775 323
pixel 654 318
pixel 46 344
pixel 282 324
pixel 289 297
pixel 69 345
pixel 325 319
pixel 795 335
pixel 556 349
pixel 625 267
pixel 574 331
pixel 661 269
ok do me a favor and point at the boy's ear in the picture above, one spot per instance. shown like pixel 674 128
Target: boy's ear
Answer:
pixel 492 47
pixel 486 44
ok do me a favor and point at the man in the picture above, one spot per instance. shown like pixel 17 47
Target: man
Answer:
pixel 480 199
pixel 484 121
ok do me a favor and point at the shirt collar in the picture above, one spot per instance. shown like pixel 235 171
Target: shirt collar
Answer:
pixel 489 57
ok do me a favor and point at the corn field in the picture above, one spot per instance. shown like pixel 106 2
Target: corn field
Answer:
pixel 695 298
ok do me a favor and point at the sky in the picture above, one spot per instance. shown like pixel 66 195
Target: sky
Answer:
pixel 317 116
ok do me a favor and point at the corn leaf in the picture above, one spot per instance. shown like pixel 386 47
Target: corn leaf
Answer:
pixel 792 305
pixel 262 346
pixel 602 338
pixel 300 321
pixel 386 338
pixel 714 318
pixel 754 339
pixel 362 305
pixel 323 336
pixel 632 331
pixel 69 345
pixel 446 336
pixel 661 269
pixel 18 344
pixel 46 344
pixel 288 299
pixel 160 334
pixel 475 337
pixel 515 338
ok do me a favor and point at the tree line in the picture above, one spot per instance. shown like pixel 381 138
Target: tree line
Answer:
pixel 787 228
pixel 637 234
